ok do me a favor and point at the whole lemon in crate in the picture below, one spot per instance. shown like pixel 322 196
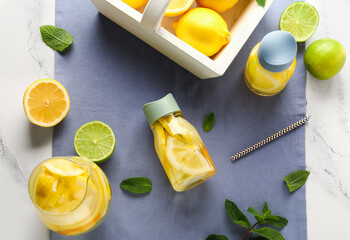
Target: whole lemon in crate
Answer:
pixel 217 5
pixel 203 29
pixel 136 3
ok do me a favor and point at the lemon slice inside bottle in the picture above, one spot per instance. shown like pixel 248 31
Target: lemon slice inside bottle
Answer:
pixel 186 158
pixel 159 140
pixel 173 127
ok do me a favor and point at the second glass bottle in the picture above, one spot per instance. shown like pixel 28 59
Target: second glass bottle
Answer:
pixel 178 145
pixel 271 63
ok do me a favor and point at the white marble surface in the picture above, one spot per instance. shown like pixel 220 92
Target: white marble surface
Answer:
pixel 328 134
pixel 25 58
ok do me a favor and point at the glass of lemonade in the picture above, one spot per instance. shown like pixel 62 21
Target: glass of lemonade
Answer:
pixel 71 195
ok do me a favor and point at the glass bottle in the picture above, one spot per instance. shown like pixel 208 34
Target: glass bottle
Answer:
pixel 271 63
pixel 71 195
pixel 178 145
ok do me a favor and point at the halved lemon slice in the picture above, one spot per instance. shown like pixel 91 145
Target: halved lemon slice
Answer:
pixel 46 102
pixel 178 7
pixel 186 158
pixel 64 168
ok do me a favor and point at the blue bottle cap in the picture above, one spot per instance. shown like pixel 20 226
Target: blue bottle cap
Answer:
pixel 277 51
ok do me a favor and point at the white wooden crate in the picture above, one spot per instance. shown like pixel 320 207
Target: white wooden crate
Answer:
pixel 150 25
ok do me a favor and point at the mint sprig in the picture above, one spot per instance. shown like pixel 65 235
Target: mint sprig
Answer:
pixel 264 217
pixel 137 185
pixel 296 180
pixel 56 38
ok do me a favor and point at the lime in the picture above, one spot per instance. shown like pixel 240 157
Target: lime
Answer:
pixel 300 19
pixel 95 141
pixel 325 58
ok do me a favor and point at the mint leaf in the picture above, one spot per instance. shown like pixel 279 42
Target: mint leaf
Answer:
pixel 253 211
pixel 236 215
pixel 276 221
pixel 269 233
pixel 265 211
pixel 296 180
pixel 261 3
pixel 137 185
pixel 257 215
pixel 55 37
pixel 216 237
pixel 208 122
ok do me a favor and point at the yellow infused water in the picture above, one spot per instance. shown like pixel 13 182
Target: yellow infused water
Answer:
pixel 271 64
pixel 178 145
pixel 181 152
pixel 262 81
pixel 72 195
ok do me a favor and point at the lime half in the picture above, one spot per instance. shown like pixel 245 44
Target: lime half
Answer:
pixel 300 19
pixel 95 141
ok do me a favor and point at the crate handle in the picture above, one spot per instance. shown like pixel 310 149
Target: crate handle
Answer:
pixel 153 14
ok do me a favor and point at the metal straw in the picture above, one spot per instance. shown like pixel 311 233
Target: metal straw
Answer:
pixel 269 139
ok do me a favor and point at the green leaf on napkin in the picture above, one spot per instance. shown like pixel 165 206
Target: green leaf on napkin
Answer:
pixel 257 215
pixel 208 122
pixel 56 38
pixel 261 2
pixel 216 237
pixel 276 221
pixel 296 180
pixel 265 211
pixel 137 185
pixel 236 215
pixel 266 218
pixel 269 233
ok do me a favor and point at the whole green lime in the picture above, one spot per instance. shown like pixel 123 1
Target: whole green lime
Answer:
pixel 325 58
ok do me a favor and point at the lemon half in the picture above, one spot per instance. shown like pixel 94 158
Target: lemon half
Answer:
pixel 46 102
pixel 178 7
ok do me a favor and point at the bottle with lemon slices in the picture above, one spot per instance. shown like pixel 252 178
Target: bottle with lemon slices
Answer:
pixel 71 195
pixel 271 63
pixel 178 145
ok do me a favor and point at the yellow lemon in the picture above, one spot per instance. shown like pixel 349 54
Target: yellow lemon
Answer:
pixel 46 102
pixel 178 7
pixel 203 29
pixel 136 3
pixel 217 5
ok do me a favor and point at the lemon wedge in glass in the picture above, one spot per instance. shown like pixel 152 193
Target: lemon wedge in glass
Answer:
pixel 64 168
